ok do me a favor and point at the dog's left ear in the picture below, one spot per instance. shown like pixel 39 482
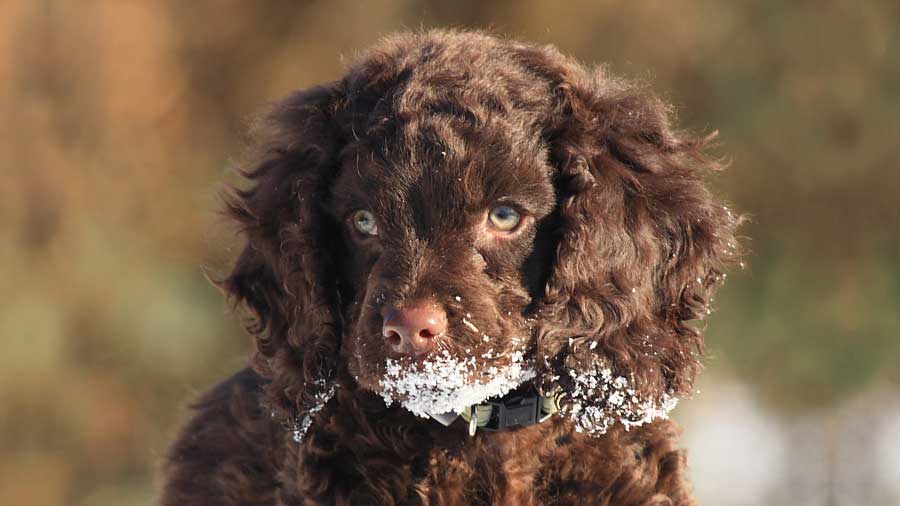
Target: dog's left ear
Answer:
pixel 641 242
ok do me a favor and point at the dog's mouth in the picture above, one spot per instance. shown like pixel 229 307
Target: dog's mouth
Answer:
pixel 445 384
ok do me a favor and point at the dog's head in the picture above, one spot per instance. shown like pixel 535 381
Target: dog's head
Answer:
pixel 460 214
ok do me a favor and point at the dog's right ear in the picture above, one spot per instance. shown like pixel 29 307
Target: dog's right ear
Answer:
pixel 283 276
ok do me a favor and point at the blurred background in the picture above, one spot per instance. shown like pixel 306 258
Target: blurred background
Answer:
pixel 120 120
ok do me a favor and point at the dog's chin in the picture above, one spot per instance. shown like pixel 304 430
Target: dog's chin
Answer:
pixel 442 383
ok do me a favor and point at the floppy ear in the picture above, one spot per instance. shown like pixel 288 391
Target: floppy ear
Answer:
pixel 640 250
pixel 283 276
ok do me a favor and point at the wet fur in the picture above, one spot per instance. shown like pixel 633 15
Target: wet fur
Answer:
pixel 428 129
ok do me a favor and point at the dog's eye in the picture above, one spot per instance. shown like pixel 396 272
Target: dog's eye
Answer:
pixel 364 222
pixel 504 218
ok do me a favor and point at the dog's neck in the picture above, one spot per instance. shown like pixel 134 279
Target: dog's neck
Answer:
pixel 357 433
pixel 519 408
pixel 522 407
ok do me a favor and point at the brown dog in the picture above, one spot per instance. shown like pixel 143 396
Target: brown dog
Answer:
pixel 472 264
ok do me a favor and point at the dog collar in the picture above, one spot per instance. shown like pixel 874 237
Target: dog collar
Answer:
pixel 515 409
pixel 519 408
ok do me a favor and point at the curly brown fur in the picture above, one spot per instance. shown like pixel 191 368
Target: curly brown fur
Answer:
pixel 619 252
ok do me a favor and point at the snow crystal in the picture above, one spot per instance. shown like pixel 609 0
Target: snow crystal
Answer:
pixel 443 384
pixel 598 400
pixel 616 399
pixel 470 325
pixel 298 425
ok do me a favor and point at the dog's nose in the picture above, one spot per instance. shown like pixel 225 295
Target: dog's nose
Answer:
pixel 411 330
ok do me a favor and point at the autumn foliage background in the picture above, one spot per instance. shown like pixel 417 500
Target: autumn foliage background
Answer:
pixel 120 120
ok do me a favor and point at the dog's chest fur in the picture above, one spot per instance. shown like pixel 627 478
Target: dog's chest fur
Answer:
pixel 392 457
pixel 359 453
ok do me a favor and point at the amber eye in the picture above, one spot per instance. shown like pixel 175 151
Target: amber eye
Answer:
pixel 504 218
pixel 364 222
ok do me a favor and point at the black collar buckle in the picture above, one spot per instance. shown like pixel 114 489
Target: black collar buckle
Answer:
pixel 513 410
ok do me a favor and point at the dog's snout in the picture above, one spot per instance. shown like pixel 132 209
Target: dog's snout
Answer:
pixel 411 330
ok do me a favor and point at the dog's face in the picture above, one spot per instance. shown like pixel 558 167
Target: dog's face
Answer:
pixel 460 214
pixel 459 234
